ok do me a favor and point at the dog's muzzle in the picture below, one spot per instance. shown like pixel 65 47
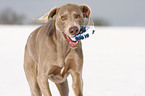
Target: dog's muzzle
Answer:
pixel 71 43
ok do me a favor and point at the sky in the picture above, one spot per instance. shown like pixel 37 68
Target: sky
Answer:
pixel 115 12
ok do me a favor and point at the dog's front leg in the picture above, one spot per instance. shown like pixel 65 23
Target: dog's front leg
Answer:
pixel 42 79
pixel 77 83
pixel 44 85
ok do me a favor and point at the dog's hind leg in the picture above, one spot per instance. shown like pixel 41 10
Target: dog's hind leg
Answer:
pixel 30 69
pixel 63 88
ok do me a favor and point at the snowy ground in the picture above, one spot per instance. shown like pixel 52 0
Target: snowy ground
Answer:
pixel 114 62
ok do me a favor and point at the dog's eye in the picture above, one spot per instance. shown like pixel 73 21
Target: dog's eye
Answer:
pixel 77 16
pixel 63 18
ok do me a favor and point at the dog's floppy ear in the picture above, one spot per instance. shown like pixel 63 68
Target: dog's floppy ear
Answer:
pixel 48 15
pixel 86 10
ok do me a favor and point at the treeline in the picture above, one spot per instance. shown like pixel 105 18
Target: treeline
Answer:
pixel 9 16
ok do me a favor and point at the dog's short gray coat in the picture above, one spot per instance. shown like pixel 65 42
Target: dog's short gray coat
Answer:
pixel 48 54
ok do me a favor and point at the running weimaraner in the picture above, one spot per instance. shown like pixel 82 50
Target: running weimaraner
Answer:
pixel 51 54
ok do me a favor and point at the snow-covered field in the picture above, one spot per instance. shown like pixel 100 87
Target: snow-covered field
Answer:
pixel 114 62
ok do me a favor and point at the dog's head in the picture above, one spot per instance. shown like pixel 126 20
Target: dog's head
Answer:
pixel 69 19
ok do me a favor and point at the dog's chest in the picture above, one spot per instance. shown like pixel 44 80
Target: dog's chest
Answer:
pixel 62 53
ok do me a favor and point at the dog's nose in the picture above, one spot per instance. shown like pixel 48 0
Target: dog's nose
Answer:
pixel 74 30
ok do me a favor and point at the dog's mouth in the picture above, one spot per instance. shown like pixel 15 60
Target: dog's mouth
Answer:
pixel 71 43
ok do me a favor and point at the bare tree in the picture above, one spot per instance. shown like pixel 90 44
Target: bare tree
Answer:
pixel 8 16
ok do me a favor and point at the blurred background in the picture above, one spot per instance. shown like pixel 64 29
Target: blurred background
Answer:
pixel 104 12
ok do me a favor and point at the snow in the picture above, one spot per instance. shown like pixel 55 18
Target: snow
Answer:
pixel 114 62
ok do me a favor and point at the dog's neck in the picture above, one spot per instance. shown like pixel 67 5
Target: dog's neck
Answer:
pixel 57 36
pixel 61 43
pixel 62 47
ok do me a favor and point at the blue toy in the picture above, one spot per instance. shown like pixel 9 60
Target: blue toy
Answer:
pixel 84 33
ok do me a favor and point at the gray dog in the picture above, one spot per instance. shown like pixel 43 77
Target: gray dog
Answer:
pixel 51 54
